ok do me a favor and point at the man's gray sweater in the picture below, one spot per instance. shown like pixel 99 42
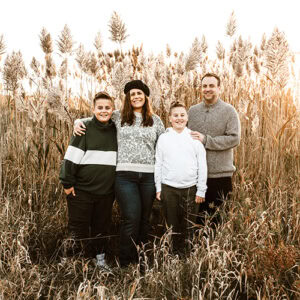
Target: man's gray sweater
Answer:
pixel 220 124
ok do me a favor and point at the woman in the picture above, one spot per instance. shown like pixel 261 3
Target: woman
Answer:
pixel 137 132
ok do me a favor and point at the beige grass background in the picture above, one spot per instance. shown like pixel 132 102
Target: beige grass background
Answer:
pixel 254 254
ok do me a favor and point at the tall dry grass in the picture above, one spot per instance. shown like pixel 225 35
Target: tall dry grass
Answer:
pixel 254 254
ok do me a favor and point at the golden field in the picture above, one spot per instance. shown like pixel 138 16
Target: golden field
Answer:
pixel 255 252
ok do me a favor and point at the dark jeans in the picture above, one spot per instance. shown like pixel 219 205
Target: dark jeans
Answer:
pixel 218 190
pixel 135 192
pixel 90 220
pixel 180 209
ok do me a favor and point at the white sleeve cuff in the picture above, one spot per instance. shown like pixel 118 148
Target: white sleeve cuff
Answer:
pixel 200 194
pixel 158 188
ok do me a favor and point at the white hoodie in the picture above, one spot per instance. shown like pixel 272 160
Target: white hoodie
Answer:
pixel 180 161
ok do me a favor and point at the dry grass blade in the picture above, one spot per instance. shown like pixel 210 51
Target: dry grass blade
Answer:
pixel 255 251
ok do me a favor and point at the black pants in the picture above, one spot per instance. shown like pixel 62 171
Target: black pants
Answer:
pixel 218 190
pixel 179 209
pixel 89 221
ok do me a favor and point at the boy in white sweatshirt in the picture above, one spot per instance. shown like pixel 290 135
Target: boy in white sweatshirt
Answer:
pixel 180 173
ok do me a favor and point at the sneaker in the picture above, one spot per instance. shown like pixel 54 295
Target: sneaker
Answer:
pixel 100 257
pixel 101 263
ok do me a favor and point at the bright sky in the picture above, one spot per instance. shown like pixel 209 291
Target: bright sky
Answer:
pixel 153 23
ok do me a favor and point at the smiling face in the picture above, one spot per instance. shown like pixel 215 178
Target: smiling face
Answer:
pixel 103 109
pixel 210 90
pixel 178 118
pixel 137 99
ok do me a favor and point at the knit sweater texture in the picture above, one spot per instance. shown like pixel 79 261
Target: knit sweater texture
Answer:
pixel 89 164
pixel 220 124
pixel 136 143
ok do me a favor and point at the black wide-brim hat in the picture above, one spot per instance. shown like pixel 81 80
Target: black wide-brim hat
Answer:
pixel 137 84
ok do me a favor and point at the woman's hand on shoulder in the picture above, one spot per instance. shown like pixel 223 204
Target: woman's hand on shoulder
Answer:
pixel 79 128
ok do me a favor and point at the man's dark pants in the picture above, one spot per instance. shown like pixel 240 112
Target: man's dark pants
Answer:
pixel 218 190
pixel 90 220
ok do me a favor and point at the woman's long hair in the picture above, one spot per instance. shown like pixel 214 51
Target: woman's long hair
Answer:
pixel 128 116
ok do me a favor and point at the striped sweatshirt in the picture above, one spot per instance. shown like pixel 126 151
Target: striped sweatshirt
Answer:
pixel 90 160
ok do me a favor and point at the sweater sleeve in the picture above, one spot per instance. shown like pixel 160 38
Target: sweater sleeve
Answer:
pixel 71 161
pixel 115 116
pixel 158 165
pixel 231 137
pixel 160 127
pixel 82 120
pixel 202 171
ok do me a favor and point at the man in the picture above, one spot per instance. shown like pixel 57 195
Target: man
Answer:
pixel 216 124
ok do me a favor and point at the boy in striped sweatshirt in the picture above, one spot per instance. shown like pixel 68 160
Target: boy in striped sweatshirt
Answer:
pixel 88 175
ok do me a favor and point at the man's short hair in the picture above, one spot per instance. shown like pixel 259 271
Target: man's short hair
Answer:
pixel 175 104
pixel 102 95
pixel 212 75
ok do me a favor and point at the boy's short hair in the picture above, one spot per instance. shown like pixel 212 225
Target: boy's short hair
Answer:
pixel 102 95
pixel 175 104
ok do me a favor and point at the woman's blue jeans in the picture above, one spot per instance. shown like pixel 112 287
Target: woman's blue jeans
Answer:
pixel 135 192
